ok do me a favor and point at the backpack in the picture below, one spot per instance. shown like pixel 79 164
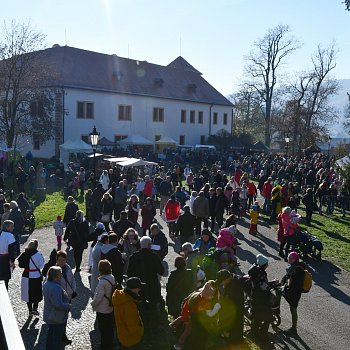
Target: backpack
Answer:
pixel 307 282
pixel 114 288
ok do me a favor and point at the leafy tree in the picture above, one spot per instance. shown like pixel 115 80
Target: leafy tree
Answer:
pixel 26 104
pixel 263 67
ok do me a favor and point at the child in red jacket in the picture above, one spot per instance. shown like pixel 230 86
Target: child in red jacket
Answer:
pixel 172 213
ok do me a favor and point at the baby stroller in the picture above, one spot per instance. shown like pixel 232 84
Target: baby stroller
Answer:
pixel 29 221
pixel 236 206
pixel 308 245
pixel 275 301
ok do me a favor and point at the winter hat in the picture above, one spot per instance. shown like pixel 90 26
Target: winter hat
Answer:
pixel 293 257
pixel 100 226
pixel 222 275
pixel 294 214
pixel 254 207
pixel 261 260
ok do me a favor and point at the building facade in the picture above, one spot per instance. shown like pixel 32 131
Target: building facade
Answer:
pixel 122 97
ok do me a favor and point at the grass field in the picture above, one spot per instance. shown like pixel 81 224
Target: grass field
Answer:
pixel 334 232
pixel 47 211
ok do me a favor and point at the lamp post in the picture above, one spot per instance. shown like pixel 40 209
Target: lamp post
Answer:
pixel 287 142
pixel 329 146
pixel 94 136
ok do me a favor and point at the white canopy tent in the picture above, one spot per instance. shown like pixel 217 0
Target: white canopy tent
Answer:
pixel 343 161
pixel 136 139
pixel 117 159
pixel 166 140
pixel 77 146
pixel 135 162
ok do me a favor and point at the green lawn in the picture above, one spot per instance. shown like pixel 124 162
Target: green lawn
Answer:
pixel 334 232
pixel 47 211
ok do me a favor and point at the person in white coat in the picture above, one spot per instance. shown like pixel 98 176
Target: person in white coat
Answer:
pixel 104 180
pixel 102 304
pixel 7 251
pixel 96 257
pixel 32 261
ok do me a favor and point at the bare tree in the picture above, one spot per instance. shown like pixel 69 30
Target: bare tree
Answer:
pixel 263 67
pixel 347 4
pixel 26 104
pixel 247 112
pixel 346 123
pixel 307 106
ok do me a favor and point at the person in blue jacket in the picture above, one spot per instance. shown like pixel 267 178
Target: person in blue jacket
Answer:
pixel 55 298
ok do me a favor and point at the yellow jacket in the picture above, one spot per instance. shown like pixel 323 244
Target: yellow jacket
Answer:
pixel 254 216
pixel 127 318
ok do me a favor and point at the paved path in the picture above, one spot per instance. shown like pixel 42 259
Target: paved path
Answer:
pixel 323 313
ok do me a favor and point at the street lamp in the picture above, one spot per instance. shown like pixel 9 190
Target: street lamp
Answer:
pixel 329 146
pixel 287 142
pixel 94 136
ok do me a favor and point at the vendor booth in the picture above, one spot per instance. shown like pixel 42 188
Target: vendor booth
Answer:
pixel 165 142
pixel 73 147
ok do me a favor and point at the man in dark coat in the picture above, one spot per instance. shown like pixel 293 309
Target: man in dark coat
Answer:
pixel 77 233
pixel 120 226
pixel 113 255
pixel 97 195
pixel 70 210
pixel 261 309
pixel 146 265
pixel 159 239
pixel 293 281
pixel 212 205
pixel 17 217
pixel 220 206
pixel 185 226
pixel 120 198
pixel 231 316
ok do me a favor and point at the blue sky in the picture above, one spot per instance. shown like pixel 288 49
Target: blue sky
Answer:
pixel 215 35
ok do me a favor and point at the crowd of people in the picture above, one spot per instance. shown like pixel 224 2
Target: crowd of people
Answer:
pixel 127 247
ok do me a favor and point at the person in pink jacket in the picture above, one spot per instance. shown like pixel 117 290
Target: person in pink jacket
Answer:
pixel 289 228
pixel 227 241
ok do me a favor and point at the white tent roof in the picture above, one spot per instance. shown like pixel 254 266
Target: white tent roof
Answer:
pixel 76 146
pixel 117 159
pixel 166 140
pixel 135 162
pixel 135 139
pixel 343 161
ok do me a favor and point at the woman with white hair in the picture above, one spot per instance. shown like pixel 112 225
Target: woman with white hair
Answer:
pixel 77 234
pixel 32 261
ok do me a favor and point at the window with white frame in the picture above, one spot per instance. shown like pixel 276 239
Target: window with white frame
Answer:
pixel 225 119
pixel 215 118
pixel 85 110
pixel 200 117
pixel 183 116
pixel 158 114
pixel 124 112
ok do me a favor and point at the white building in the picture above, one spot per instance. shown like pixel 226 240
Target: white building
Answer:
pixel 122 97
